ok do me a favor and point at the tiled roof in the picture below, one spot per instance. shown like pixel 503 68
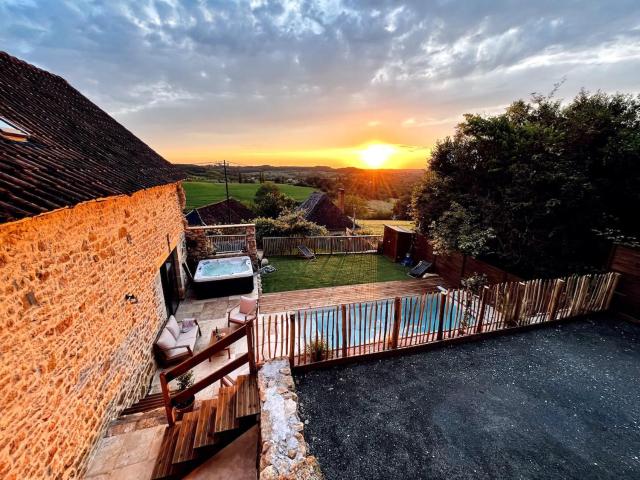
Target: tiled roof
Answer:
pixel 319 209
pixel 218 214
pixel 75 152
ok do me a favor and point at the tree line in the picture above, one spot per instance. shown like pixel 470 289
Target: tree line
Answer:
pixel 541 189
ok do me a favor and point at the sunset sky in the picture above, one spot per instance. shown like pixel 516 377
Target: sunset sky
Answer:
pixel 328 82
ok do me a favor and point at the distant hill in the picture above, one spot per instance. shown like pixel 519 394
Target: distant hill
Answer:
pixel 204 193
pixel 371 184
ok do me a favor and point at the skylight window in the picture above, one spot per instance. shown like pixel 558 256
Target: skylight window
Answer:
pixel 11 132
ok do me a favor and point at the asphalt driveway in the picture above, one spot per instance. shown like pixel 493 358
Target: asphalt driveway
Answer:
pixel 559 402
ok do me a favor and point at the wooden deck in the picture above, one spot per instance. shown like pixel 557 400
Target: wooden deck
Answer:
pixel 322 297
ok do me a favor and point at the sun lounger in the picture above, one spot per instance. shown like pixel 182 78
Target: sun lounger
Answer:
pixel 420 269
pixel 306 252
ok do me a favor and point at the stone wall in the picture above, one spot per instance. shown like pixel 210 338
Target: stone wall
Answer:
pixel 284 453
pixel 73 352
pixel 199 248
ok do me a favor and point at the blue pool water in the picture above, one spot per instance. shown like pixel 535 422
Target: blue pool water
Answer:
pixel 368 322
pixel 211 269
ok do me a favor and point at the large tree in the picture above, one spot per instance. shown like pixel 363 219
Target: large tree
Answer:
pixel 270 202
pixel 538 187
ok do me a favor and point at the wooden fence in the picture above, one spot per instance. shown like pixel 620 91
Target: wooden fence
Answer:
pixel 455 266
pixel 227 243
pixel 338 332
pixel 626 260
pixel 285 246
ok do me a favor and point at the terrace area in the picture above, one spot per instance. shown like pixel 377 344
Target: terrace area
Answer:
pixel 553 403
pixel 364 306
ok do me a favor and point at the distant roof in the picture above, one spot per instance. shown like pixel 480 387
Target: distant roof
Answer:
pixel 218 214
pixel 319 209
pixel 74 151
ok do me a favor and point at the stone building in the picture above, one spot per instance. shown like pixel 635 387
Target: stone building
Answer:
pixel 91 248
pixel 223 212
pixel 318 208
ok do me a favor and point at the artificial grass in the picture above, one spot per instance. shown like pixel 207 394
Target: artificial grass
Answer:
pixel 204 193
pixel 295 273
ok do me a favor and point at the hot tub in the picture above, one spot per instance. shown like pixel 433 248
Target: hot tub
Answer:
pixel 222 277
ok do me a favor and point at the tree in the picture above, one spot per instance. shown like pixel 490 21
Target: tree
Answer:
pixel 271 202
pixel 402 207
pixel 537 187
pixel 354 203
pixel 291 224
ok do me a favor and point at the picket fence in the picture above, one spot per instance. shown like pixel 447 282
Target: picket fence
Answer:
pixel 358 329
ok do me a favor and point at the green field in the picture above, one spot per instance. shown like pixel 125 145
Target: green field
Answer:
pixel 294 273
pixel 376 227
pixel 203 193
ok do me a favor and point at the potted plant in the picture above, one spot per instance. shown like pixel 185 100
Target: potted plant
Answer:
pixel 317 350
pixel 184 381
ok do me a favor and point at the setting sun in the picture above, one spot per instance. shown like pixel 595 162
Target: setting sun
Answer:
pixel 377 154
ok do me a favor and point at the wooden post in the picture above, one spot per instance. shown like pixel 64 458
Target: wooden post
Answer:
pixel 397 319
pixel 168 408
pixel 520 291
pixel 612 289
pixel 250 347
pixel 483 304
pixel 555 299
pixel 345 345
pixel 292 339
pixel 443 300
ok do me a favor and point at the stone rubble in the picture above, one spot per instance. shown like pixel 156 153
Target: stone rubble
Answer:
pixel 284 453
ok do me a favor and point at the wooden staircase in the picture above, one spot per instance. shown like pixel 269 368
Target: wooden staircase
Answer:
pixel 202 433
pixel 150 402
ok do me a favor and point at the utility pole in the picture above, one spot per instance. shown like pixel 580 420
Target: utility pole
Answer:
pixel 226 187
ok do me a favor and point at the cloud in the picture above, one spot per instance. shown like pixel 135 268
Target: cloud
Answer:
pixel 257 70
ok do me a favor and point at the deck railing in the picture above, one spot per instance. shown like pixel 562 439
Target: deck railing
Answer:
pixel 337 332
pixel 285 246
pixel 227 243
pixel 173 398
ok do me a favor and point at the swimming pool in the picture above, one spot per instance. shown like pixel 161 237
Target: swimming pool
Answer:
pixel 372 322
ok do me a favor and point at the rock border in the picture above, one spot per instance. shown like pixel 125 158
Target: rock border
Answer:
pixel 284 453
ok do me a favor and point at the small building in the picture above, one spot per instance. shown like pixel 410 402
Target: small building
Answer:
pixel 91 248
pixel 396 242
pixel 223 212
pixel 319 208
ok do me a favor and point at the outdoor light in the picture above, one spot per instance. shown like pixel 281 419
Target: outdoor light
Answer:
pixel 130 298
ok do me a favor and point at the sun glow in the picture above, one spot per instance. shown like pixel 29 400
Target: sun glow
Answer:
pixel 376 154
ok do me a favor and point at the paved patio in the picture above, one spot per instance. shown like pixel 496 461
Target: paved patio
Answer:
pixel 131 444
pixel 323 297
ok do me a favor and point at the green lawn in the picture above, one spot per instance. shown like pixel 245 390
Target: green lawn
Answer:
pixel 330 270
pixel 203 193
pixel 377 226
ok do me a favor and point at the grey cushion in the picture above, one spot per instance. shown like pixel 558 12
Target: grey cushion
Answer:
pixel 173 327
pixel 175 352
pixel 166 339
pixel 240 317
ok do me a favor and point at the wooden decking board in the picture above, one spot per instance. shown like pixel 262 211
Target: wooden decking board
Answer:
pixel 164 467
pixel 206 423
pixel 247 401
pixel 184 447
pixel 149 402
pixel 323 297
pixel 226 410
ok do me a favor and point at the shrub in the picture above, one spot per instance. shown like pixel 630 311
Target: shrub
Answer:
pixel 317 350
pixel 288 225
